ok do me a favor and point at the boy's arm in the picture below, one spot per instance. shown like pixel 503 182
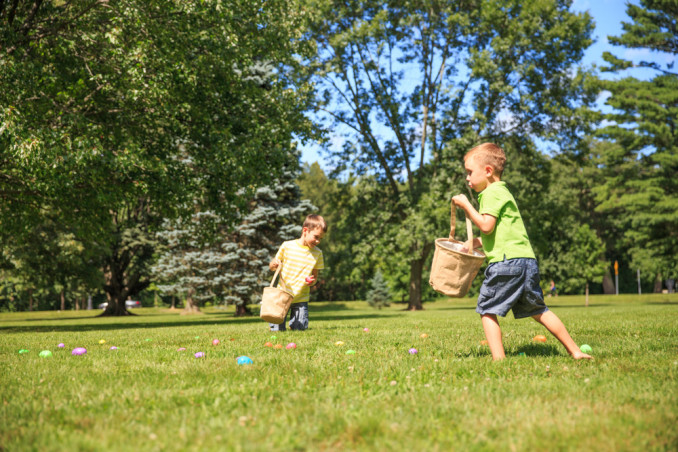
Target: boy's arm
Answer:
pixel 277 260
pixel 485 222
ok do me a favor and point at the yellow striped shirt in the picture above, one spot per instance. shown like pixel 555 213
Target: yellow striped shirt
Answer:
pixel 298 262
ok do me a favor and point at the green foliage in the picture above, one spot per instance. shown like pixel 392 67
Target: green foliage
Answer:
pixel 116 115
pixel 638 183
pixel 379 295
pixel 479 80
pixel 380 398
pixel 230 266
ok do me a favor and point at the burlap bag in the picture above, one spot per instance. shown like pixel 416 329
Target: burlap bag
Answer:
pixel 275 302
pixel 452 270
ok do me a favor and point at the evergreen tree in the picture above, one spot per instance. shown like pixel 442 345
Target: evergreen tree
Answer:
pixel 639 172
pixel 231 265
pixel 379 296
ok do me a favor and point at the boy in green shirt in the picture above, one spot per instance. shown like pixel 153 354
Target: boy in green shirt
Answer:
pixel 512 276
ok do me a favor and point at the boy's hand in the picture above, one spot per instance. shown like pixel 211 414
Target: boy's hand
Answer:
pixel 461 201
pixel 275 263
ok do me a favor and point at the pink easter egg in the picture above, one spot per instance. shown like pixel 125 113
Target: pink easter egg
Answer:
pixel 79 351
pixel 291 346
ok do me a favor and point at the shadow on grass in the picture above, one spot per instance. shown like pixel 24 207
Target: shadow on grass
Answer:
pixel 536 350
pixel 317 313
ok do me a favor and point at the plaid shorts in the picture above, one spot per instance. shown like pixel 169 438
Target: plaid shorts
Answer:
pixel 512 285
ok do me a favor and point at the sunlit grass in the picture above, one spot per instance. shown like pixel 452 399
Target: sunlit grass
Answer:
pixel 448 396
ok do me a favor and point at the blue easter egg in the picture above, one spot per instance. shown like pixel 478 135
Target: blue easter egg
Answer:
pixel 244 360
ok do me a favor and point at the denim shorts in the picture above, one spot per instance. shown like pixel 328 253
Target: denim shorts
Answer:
pixel 298 318
pixel 512 285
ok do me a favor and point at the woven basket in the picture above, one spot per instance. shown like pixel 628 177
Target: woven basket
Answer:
pixel 275 302
pixel 452 270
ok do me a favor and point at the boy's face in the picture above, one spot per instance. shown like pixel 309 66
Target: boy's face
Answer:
pixel 311 237
pixel 477 174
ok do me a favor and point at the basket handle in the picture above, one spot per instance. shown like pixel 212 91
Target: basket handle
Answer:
pixel 469 228
pixel 282 281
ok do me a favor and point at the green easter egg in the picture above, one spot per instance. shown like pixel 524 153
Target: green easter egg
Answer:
pixel 350 352
pixel 22 351
pixel 586 348
pixel 45 354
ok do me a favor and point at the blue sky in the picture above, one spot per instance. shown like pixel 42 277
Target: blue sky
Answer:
pixel 608 16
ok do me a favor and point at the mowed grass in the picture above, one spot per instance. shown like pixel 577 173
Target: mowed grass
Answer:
pixel 449 396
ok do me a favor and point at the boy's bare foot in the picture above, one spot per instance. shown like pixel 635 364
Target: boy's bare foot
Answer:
pixel 581 355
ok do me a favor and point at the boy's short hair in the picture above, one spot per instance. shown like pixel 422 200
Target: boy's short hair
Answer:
pixel 313 222
pixel 489 154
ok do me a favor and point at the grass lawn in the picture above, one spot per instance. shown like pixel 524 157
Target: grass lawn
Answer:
pixel 147 395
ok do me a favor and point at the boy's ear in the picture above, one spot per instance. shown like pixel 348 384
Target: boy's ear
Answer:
pixel 489 170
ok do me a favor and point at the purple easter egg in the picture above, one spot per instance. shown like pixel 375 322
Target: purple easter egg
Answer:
pixel 62 345
pixel 113 348
pixel 79 351
pixel 413 351
pixel 200 355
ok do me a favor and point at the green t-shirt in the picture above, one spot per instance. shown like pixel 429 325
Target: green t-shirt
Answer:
pixel 509 237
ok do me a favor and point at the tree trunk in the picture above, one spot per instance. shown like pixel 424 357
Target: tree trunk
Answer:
pixel 191 306
pixel 658 283
pixel 587 294
pixel 63 301
pixel 116 306
pixel 30 299
pixel 416 269
pixel 608 283
pixel 241 310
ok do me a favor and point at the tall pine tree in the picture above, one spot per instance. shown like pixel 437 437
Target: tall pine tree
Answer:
pixel 643 128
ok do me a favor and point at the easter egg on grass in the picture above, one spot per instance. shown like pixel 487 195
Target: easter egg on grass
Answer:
pixel 339 343
pixel 291 346
pixel 350 352
pixel 242 360
pixel 268 344
pixel 45 354
pixel 278 346
pixel 79 351
pixel 62 345
pixel 22 351
pixel 413 351
pixel 200 355
pixel 586 348
pixel 539 338
pixel 102 341
pixel 215 342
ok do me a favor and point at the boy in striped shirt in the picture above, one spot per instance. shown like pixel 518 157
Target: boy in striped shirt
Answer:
pixel 300 259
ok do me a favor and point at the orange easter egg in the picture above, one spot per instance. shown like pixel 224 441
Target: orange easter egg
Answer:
pixel 539 338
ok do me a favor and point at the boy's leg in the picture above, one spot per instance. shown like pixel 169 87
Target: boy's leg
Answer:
pixel 276 327
pixel 299 316
pixel 493 335
pixel 557 328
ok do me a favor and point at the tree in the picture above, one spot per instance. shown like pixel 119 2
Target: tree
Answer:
pixel 481 80
pixel 136 110
pixel 379 295
pixel 231 265
pixel 639 169
pixel 584 260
